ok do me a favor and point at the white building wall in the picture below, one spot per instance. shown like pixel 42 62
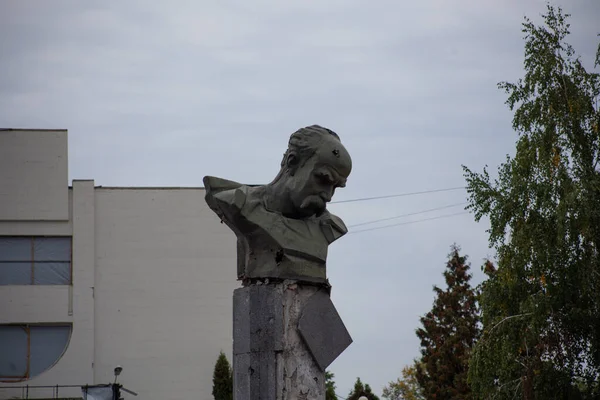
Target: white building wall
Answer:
pixel 153 275
pixel 35 304
pixel 165 273
pixel 33 175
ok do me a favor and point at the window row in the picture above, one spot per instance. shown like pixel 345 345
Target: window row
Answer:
pixel 28 350
pixel 35 260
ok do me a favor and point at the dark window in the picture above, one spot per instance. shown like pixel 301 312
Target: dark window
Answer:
pixel 28 350
pixel 35 260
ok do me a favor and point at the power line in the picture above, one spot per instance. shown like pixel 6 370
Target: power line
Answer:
pixel 397 195
pixel 407 215
pixel 409 222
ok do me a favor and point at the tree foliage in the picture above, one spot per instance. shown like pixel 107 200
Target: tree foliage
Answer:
pixel 222 379
pixel 329 386
pixel 361 389
pixel 448 334
pixel 541 303
pixel 405 388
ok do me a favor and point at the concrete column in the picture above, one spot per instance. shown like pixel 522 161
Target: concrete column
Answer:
pixel 285 335
pixel 81 302
pixel 271 360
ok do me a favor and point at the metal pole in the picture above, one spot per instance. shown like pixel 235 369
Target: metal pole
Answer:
pixel 116 391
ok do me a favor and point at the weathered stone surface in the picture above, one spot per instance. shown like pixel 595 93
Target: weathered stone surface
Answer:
pixel 241 375
pixel 299 376
pixel 255 376
pixel 270 357
pixel 241 321
pixel 322 329
pixel 257 319
pixel 257 338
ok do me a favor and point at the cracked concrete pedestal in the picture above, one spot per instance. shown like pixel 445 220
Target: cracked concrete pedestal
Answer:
pixel 284 336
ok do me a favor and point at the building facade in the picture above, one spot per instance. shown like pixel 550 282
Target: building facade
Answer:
pixel 94 277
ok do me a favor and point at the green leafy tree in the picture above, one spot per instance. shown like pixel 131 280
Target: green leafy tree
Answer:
pixel 222 379
pixel 448 335
pixel 405 388
pixel 541 302
pixel 329 386
pixel 361 389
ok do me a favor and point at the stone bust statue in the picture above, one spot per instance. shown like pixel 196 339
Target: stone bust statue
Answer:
pixel 283 228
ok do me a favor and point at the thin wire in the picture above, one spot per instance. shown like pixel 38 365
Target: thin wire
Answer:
pixel 409 222
pixel 397 195
pixel 407 215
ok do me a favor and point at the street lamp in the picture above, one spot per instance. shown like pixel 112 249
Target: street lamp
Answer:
pixel 106 391
pixel 118 370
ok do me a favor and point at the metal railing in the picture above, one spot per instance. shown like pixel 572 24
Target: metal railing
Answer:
pixel 28 390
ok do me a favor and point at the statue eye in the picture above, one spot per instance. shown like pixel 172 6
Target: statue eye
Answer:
pixel 324 178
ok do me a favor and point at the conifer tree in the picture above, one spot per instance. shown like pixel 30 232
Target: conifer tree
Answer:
pixel 329 386
pixel 222 379
pixel 448 334
pixel 361 389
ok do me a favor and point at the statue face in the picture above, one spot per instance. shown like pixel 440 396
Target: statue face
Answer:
pixel 313 184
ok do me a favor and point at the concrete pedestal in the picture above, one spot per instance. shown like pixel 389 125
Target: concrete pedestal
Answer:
pixel 271 360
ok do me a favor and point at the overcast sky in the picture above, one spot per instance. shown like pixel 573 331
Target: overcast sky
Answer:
pixel 162 93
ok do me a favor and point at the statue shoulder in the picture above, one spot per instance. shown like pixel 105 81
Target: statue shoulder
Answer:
pixel 333 226
pixel 225 197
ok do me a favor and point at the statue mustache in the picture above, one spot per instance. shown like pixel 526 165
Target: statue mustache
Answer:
pixel 314 201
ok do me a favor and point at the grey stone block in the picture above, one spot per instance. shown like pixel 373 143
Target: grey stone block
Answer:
pixel 266 319
pixel 241 320
pixel 257 319
pixel 286 358
pixel 265 365
pixel 322 329
pixel 257 336
pixel 255 376
pixel 241 376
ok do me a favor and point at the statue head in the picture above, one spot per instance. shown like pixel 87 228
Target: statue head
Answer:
pixel 314 165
